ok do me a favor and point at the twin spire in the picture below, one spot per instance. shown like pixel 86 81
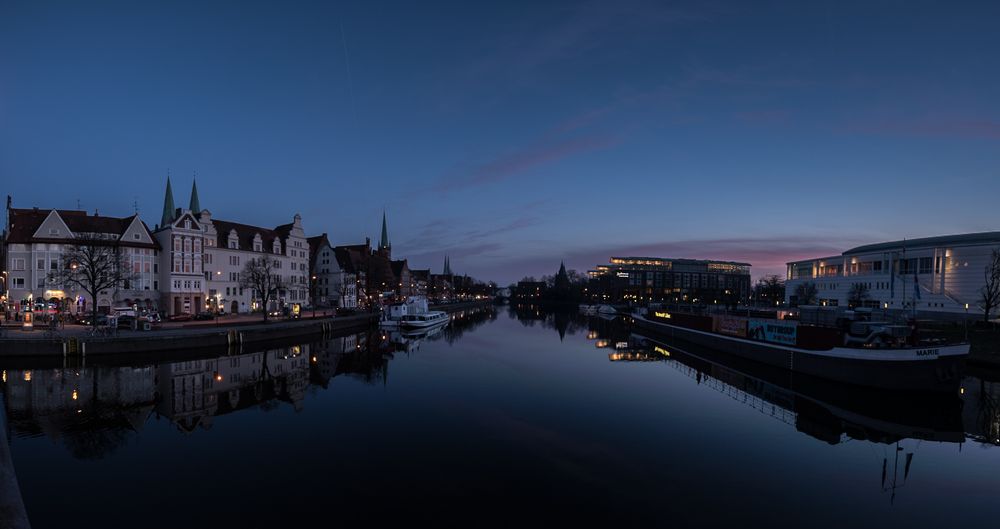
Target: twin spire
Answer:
pixel 447 266
pixel 170 212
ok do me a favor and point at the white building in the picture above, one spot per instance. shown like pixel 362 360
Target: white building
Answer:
pixel 207 256
pixel 34 245
pixel 334 285
pixel 930 275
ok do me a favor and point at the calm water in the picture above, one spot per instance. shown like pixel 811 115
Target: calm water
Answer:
pixel 505 419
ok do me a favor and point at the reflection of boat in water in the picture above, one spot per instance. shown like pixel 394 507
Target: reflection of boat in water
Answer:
pixel 820 351
pixel 589 310
pixel 815 406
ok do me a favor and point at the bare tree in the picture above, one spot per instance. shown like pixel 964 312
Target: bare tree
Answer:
pixel 857 294
pixel 989 294
pixel 258 274
pixel 769 289
pixel 806 293
pixel 93 264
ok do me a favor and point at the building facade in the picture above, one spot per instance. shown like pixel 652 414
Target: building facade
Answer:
pixel 930 275
pixel 207 256
pixel 334 285
pixel 666 279
pixel 36 240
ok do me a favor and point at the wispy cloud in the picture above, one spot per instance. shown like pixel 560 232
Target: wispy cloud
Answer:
pixel 936 127
pixel 517 162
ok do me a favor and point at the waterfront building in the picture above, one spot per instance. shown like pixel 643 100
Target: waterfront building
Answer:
pixel 668 279
pixel 378 276
pixel 207 256
pixel 932 275
pixel 420 280
pixel 36 239
pixel 334 285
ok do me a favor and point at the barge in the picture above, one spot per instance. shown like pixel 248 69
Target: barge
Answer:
pixel 865 353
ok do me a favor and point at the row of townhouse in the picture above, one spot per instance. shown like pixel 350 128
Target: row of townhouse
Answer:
pixel 191 262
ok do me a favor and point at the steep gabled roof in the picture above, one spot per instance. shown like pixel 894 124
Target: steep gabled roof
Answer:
pixel 23 223
pixel 314 245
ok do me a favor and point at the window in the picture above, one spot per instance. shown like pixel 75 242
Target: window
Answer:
pixel 135 236
pixel 187 224
pixel 156 285
pixel 18 282
pixel 53 265
pixel 41 282
pixel 41 264
pixel 53 231
pixel 18 264
pixel 156 268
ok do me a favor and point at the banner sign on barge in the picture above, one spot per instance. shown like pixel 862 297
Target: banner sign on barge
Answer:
pixel 783 332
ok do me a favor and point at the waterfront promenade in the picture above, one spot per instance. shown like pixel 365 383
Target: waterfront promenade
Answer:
pixel 76 340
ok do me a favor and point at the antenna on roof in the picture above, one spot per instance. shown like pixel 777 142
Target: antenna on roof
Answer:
pixel 78 204
pixel 135 204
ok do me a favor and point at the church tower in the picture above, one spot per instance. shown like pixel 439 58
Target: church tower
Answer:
pixel 168 206
pixel 384 247
pixel 195 205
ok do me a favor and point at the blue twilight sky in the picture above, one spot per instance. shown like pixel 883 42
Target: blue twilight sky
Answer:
pixel 512 135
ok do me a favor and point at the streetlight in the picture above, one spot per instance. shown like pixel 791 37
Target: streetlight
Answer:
pixel 967 323
pixel 312 293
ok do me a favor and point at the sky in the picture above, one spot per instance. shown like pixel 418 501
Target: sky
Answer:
pixel 514 135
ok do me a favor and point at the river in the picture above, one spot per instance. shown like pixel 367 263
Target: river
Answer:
pixel 508 417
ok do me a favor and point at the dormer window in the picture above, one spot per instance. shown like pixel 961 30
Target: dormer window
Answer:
pixel 187 224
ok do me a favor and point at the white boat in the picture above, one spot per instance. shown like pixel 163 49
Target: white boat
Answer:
pixel 394 313
pixel 426 320
pixel 589 310
pixel 607 309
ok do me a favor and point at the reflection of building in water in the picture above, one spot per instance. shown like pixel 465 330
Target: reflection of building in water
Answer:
pixel 90 410
pixel 981 414
pixel 193 392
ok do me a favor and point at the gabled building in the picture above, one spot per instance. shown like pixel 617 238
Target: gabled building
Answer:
pixel 36 240
pixel 334 285
pixel 207 257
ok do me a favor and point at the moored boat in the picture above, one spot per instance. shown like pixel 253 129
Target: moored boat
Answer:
pixel 885 357
pixel 426 320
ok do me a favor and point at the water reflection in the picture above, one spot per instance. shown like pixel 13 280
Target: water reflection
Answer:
pixel 825 410
pixel 94 410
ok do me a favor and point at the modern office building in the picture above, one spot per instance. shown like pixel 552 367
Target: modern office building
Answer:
pixel 929 275
pixel 667 279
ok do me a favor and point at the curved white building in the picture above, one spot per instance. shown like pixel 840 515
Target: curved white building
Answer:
pixel 928 275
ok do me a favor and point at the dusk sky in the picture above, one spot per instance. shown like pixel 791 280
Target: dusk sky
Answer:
pixel 514 135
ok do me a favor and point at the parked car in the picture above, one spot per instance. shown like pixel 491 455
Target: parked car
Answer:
pixel 204 315
pixel 102 319
pixel 183 316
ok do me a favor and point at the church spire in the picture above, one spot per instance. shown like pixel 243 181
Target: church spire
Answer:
pixel 195 206
pixel 168 206
pixel 384 243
